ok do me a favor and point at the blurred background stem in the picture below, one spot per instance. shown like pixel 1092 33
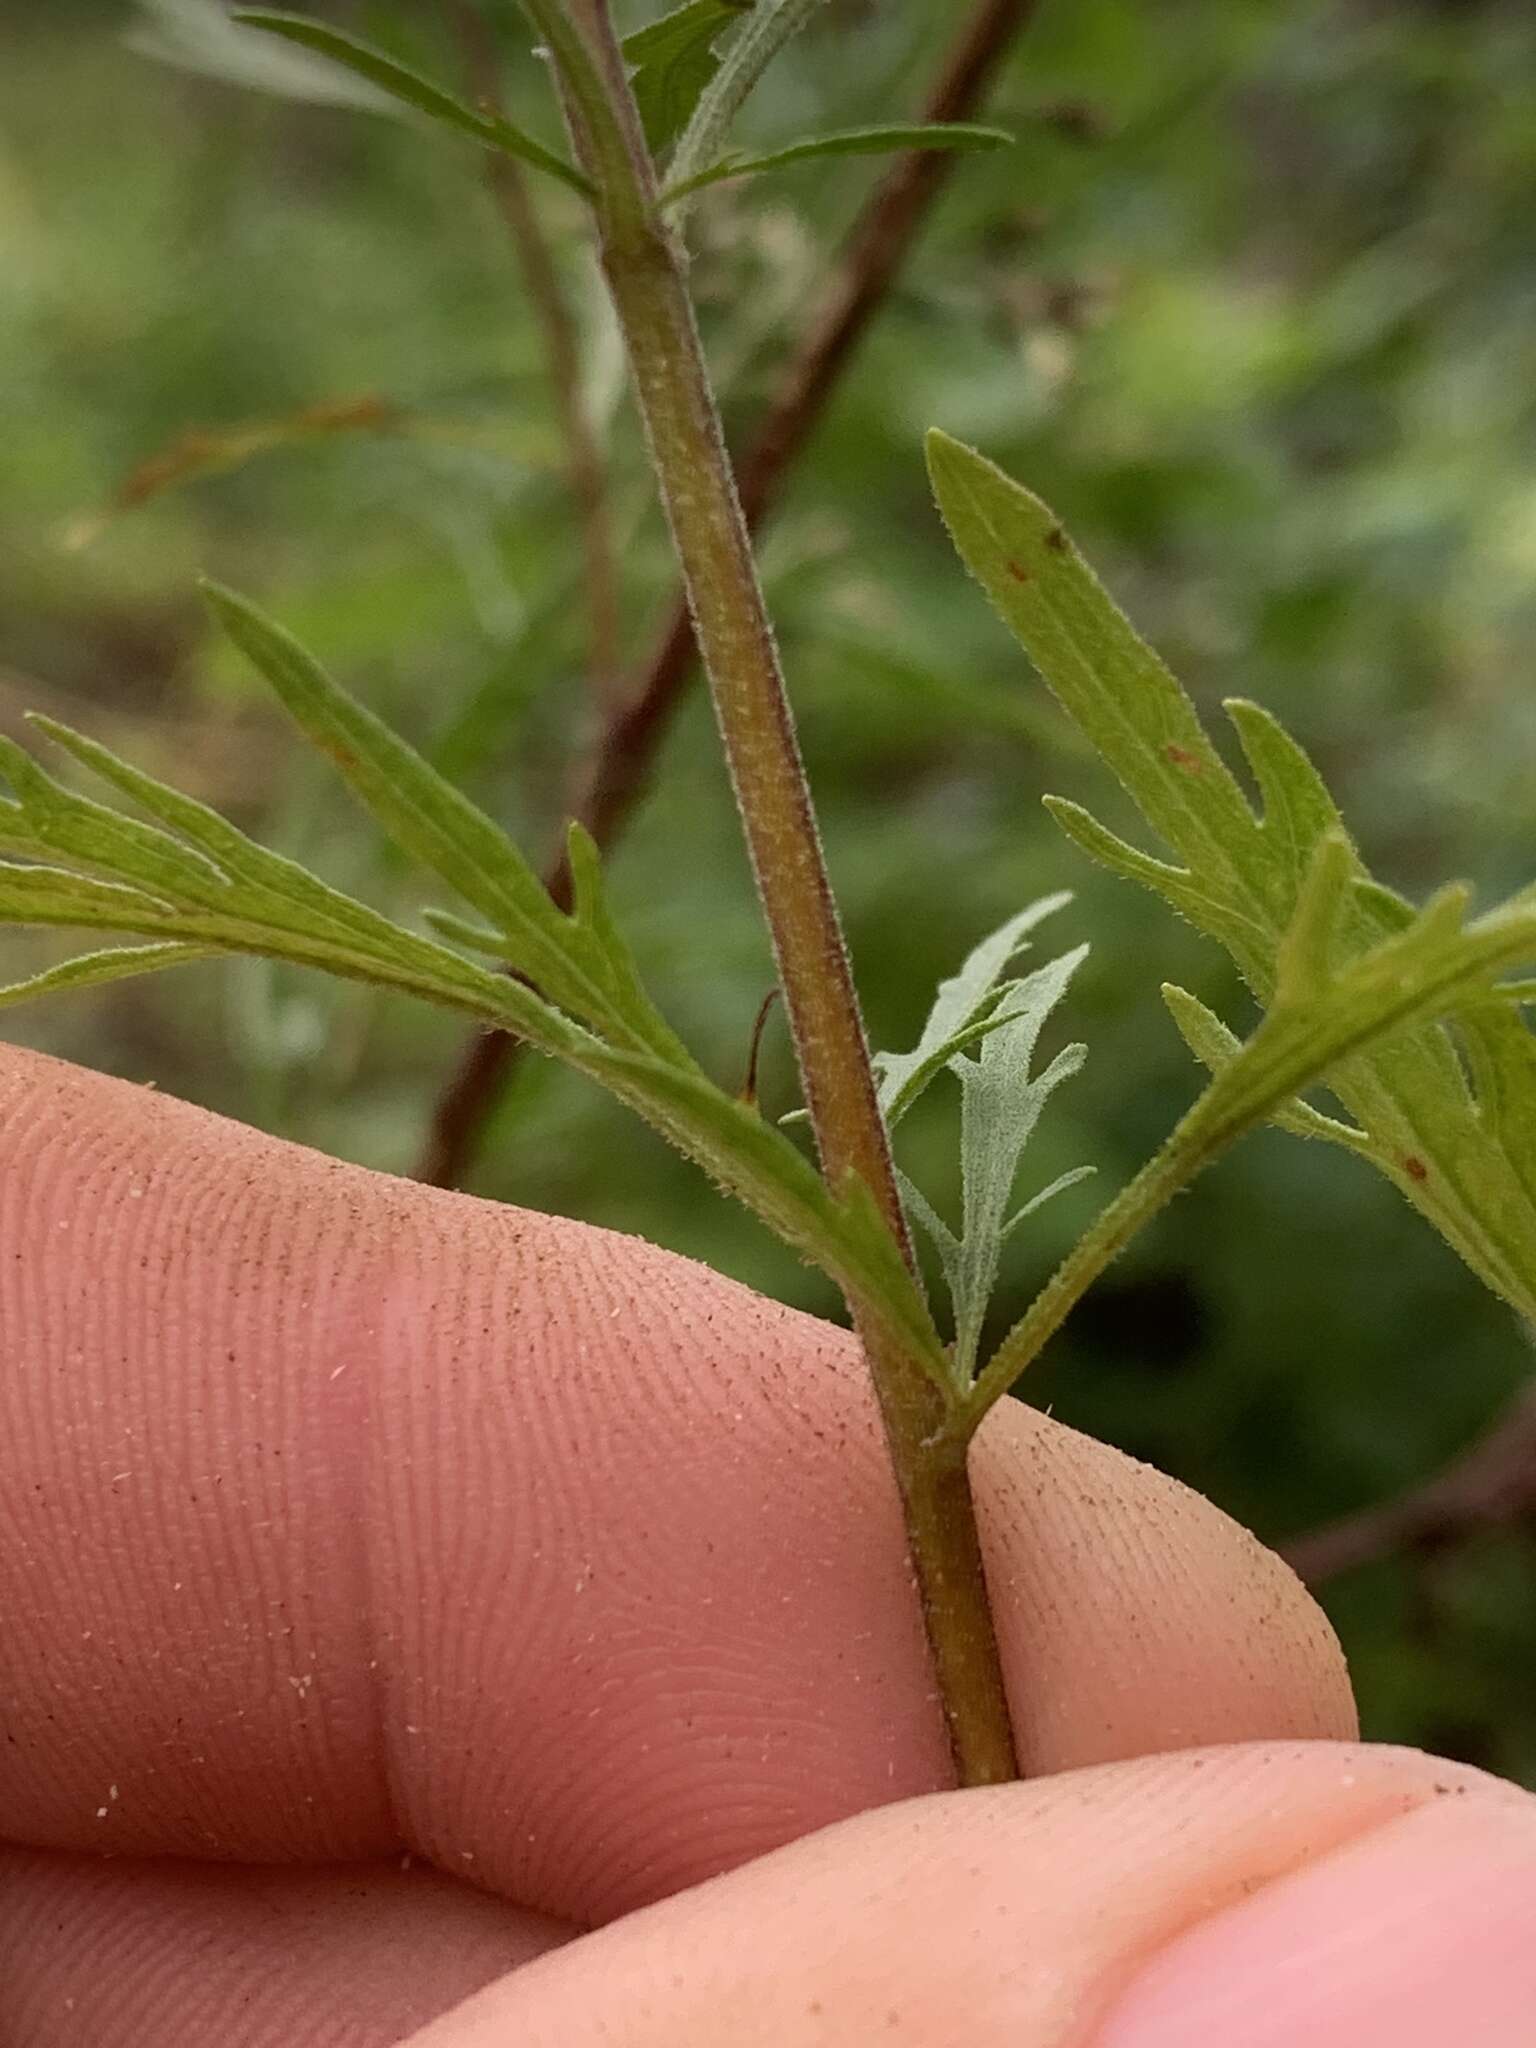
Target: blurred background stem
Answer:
pixel 509 189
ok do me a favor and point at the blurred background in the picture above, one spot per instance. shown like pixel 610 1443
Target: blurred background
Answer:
pixel 1252 301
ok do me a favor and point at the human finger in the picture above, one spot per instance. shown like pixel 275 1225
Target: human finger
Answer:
pixel 1251 1897
pixel 340 1516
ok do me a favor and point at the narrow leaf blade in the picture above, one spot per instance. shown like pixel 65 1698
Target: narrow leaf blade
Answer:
pixel 877 141
pixel 402 83
pixel 89 970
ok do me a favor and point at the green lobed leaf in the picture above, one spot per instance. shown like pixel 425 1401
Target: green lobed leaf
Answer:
pixel 195 878
pixel 1502 1056
pixel 1434 965
pixel 843 1233
pixel 87 970
pixel 265 887
pixel 194 885
pixel 673 60
pixel 1215 1047
pixel 1239 876
pixel 409 87
pixel 569 960
pixel 879 141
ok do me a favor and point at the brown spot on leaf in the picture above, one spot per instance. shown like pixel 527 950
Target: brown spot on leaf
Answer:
pixel 1181 757
pixel 1415 1168
pixel 1018 572
pixel 1057 539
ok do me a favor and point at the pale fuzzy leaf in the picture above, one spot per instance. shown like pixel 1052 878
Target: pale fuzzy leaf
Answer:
pixel 958 1016
pixel 411 89
pixel 1000 1105
pixel 88 970
pixel 880 141
pixel 1048 1193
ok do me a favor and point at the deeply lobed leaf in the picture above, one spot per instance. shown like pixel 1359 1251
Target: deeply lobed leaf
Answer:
pixel 194 885
pixel 1462 1158
pixel 983 1029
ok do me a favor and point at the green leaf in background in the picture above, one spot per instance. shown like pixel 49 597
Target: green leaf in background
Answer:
pixel 673 61
pixel 200 36
pixel 411 89
pixel 953 135
pixel 1242 876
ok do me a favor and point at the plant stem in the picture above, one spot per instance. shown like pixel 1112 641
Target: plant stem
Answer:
pixel 642 262
pixel 619 767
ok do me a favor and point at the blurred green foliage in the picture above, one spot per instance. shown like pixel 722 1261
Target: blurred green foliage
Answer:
pixel 1252 302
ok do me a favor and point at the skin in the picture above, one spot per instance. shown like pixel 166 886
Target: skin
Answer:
pixel 426 1621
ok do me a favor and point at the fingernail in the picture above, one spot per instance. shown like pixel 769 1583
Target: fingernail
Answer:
pixel 1420 1934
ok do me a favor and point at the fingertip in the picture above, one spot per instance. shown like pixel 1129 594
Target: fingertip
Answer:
pixel 1134 1615
pixel 1421 1932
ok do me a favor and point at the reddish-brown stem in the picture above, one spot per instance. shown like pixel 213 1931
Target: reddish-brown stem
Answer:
pixel 1491 1485
pixel 621 761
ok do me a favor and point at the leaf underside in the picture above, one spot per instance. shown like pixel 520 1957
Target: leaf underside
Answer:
pixel 983 1029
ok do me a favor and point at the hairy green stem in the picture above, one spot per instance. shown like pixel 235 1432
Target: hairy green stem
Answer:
pixel 643 265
